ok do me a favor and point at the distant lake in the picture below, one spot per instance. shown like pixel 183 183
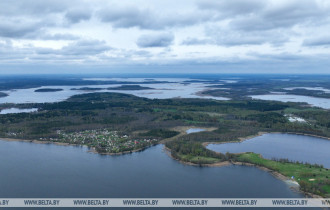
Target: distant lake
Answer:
pixel 319 102
pixel 52 171
pixel 309 88
pixel 194 130
pixel 294 147
pixel 16 110
pixel 176 89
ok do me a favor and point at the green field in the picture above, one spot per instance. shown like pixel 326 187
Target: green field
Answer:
pixel 311 178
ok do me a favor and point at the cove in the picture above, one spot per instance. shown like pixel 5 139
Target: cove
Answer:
pixel 48 170
pixel 279 145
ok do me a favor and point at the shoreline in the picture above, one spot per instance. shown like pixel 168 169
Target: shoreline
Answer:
pixel 163 141
pixel 242 139
pixel 42 142
pixel 217 164
pixel 91 149
pixel 168 152
pixel 276 174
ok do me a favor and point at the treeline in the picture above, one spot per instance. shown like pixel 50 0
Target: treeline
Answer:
pixel 286 160
pixel 193 149
pixel 162 133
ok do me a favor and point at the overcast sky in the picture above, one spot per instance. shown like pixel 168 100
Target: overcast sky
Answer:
pixel 165 36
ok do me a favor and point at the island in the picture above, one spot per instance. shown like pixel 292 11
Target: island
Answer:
pixel 130 87
pixel 87 89
pixel 3 94
pixel 48 90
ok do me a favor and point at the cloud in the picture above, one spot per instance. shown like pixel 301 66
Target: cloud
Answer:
pixel 281 15
pixel 144 18
pixel 81 47
pixel 77 15
pixel 155 40
pixel 317 41
pixel 35 7
pixel 56 36
pixel 127 17
pixel 233 7
pixel 199 31
pixel 196 41
pixel 227 37
pixel 17 27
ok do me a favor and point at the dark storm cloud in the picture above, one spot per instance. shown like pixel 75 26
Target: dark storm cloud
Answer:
pixel 155 40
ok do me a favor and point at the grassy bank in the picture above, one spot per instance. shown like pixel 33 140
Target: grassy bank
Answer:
pixel 311 178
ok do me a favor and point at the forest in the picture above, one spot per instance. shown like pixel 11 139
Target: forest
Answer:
pixel 116 123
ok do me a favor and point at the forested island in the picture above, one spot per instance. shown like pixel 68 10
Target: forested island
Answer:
pixel 87 89
pixel 48 90
pixel 114 123
pixel 130 87
pixel 258 86
pixel 3 94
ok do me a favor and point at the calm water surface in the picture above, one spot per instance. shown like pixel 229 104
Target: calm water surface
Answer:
pixel 318 102
pixel 16 110
pixel 194 130
pixel 175 89
pixel 294 147
pixel 47 170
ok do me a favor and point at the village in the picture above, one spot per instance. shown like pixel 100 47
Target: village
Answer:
pixel 104 140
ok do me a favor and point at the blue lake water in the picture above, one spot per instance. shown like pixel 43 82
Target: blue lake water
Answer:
pixel 47 170
pixel 313 101
pixel 194 130
pixel 175 89
pixel 294 147
pixel 16 110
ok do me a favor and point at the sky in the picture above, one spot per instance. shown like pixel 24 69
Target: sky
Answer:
pixel 165 36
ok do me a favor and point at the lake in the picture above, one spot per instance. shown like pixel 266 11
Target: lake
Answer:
pixel 194 130
pixel 177 88
pixel 16 110
pixel 52 171
pixel 318 102
pixel 278 145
